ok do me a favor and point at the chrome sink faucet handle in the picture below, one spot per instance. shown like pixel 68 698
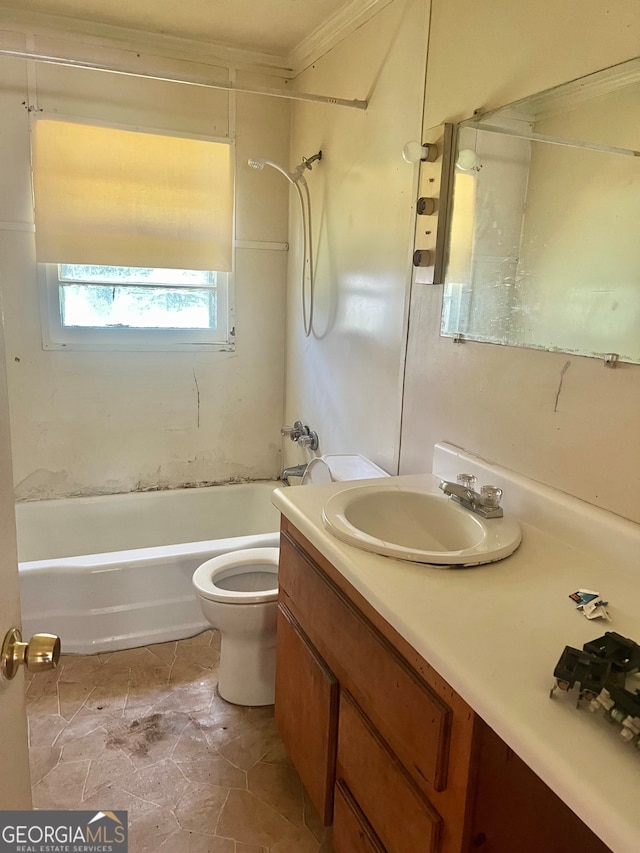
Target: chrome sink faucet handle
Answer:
pixel 467 480
pixel 490 496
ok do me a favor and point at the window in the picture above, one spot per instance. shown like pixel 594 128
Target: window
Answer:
pixel 102 307
pixel 133 238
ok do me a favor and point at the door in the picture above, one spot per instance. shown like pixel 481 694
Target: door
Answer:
pixel 15 788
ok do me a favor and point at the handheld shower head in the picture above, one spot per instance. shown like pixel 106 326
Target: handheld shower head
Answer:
pixel 260 163
pixel 297 179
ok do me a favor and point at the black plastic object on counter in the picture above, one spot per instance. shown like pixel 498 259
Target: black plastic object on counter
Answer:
pixel 601 670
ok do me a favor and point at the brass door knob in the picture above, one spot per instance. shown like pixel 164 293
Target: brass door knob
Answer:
pixel 40 653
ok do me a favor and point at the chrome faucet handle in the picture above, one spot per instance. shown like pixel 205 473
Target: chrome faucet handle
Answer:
pixel 293 432
pixel 309 439
pixel 467 480
pixel 302 434
pixel 490 496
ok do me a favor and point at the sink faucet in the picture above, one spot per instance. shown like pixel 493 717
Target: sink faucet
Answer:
pixel 485 504
pixel 294 471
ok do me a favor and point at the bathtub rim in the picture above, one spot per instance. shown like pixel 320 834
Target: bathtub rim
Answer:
pixel 92 629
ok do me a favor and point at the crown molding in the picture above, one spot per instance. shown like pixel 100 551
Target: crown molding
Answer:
pixel 109 36
pixel 335 29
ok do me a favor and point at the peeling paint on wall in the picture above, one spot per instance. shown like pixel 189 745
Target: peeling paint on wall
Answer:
pixel 43 484
pixel 200 484
pixel 43 493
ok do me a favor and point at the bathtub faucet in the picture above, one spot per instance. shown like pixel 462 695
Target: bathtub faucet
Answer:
pixel 295 471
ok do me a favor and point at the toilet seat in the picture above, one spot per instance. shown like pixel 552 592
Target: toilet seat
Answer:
pixel 250 561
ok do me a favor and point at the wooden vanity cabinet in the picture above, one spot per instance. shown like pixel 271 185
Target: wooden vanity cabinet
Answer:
pixel 388 752
pixel 388 740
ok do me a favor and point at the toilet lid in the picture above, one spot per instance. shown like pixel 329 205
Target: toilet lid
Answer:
pixel 249 576
pixel 317 471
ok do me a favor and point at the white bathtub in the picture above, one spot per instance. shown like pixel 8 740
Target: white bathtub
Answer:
pixel 114 572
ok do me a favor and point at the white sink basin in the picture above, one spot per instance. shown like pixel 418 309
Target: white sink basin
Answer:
pixel 412 525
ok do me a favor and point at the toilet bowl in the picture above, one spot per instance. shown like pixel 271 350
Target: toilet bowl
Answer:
pixel 238 594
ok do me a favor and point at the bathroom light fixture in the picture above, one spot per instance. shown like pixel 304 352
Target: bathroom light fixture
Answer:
pixel 432 205
pixel 415 152
pixel 468 161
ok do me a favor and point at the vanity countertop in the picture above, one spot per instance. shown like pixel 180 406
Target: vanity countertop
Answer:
pixel 495 632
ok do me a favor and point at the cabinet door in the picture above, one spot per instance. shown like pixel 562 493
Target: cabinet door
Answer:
pixel 307 712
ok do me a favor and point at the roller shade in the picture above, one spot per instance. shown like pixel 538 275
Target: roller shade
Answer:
pixel 131 199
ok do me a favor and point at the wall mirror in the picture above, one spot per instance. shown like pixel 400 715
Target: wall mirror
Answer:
pixel 544 236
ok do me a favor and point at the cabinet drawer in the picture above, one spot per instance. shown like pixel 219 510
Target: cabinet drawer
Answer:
pixel 399 815
pixel 351 832
pixel 409 716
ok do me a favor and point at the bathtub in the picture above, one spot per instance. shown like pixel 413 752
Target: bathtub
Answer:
pixel 114 572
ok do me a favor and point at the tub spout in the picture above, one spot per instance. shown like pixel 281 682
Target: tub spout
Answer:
pixel 295 471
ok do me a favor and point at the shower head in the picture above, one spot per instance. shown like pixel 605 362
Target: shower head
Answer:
pixel 260 163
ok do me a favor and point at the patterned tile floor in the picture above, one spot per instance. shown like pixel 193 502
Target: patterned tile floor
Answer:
pixel 145 730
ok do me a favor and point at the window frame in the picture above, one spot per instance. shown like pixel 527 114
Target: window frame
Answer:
pixel 55 336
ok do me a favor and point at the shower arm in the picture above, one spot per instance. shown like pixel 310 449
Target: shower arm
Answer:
pixel 307 161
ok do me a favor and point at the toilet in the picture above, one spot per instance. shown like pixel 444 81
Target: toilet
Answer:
pixel 238 594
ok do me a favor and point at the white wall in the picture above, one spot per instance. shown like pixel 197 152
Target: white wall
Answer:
pixel 344 380
pixel 95 422
pixel 561 419
pixel 110 422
